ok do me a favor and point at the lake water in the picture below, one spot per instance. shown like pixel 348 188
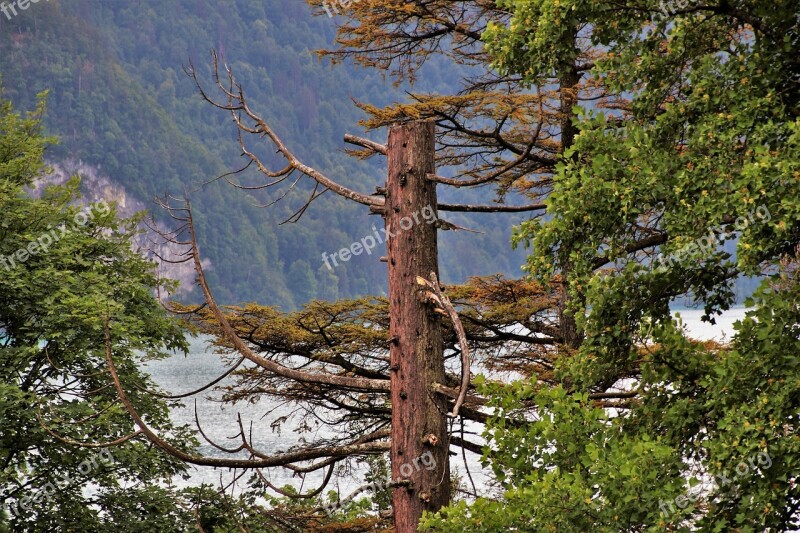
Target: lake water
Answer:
pixel 181 374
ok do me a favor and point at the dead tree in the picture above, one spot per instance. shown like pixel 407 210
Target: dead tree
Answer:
pixel 417 350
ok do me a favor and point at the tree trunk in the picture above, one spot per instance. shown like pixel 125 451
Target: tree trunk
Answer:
pixel 569 78
pixel 416 352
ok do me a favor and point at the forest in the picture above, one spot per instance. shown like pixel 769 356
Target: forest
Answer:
pixel 120 103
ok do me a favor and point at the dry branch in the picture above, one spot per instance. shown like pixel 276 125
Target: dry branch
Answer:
pixel 440 298
pixel 248 122
pixel 263 461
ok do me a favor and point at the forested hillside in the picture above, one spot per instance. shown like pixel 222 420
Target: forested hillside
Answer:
pixel 120 102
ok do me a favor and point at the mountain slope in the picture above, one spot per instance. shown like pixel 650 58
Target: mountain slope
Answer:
pixel 120 102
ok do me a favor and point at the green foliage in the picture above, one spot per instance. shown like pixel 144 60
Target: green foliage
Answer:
pixel 709 140
pixel 54 306
pixel 722 414
pixel 570 470
pixel 204 508
pixel 378 472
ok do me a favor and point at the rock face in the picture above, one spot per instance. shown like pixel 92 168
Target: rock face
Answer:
pixel 95 187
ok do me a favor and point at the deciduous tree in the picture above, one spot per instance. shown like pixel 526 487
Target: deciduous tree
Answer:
pixel 65 268
pixel 706 152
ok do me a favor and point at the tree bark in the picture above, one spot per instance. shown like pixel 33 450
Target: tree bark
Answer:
pixel 419 448
pixel 569 78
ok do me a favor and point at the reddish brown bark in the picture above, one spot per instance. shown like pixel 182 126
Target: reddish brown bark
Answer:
pixel 416 352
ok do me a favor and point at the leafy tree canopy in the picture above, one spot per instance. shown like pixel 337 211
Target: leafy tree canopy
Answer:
pixel 707 150
pixel 67 270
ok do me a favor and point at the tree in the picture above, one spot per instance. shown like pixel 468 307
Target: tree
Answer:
pixel 305 284
pixel 706 152
pixel 416 360
pixel 495 132
pixel 414 374
pixel 502 129
pixel 65 270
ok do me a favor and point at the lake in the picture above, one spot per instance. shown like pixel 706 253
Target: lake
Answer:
pixel 180 374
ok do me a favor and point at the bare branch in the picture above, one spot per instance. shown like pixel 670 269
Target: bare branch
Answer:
pixel 467 208
pixel 366 143
pixel 280 459
pixel 466 445
pixel 294 496
pixel 271 366
pixel 445 302
pixel 249 122
pixel 196 391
